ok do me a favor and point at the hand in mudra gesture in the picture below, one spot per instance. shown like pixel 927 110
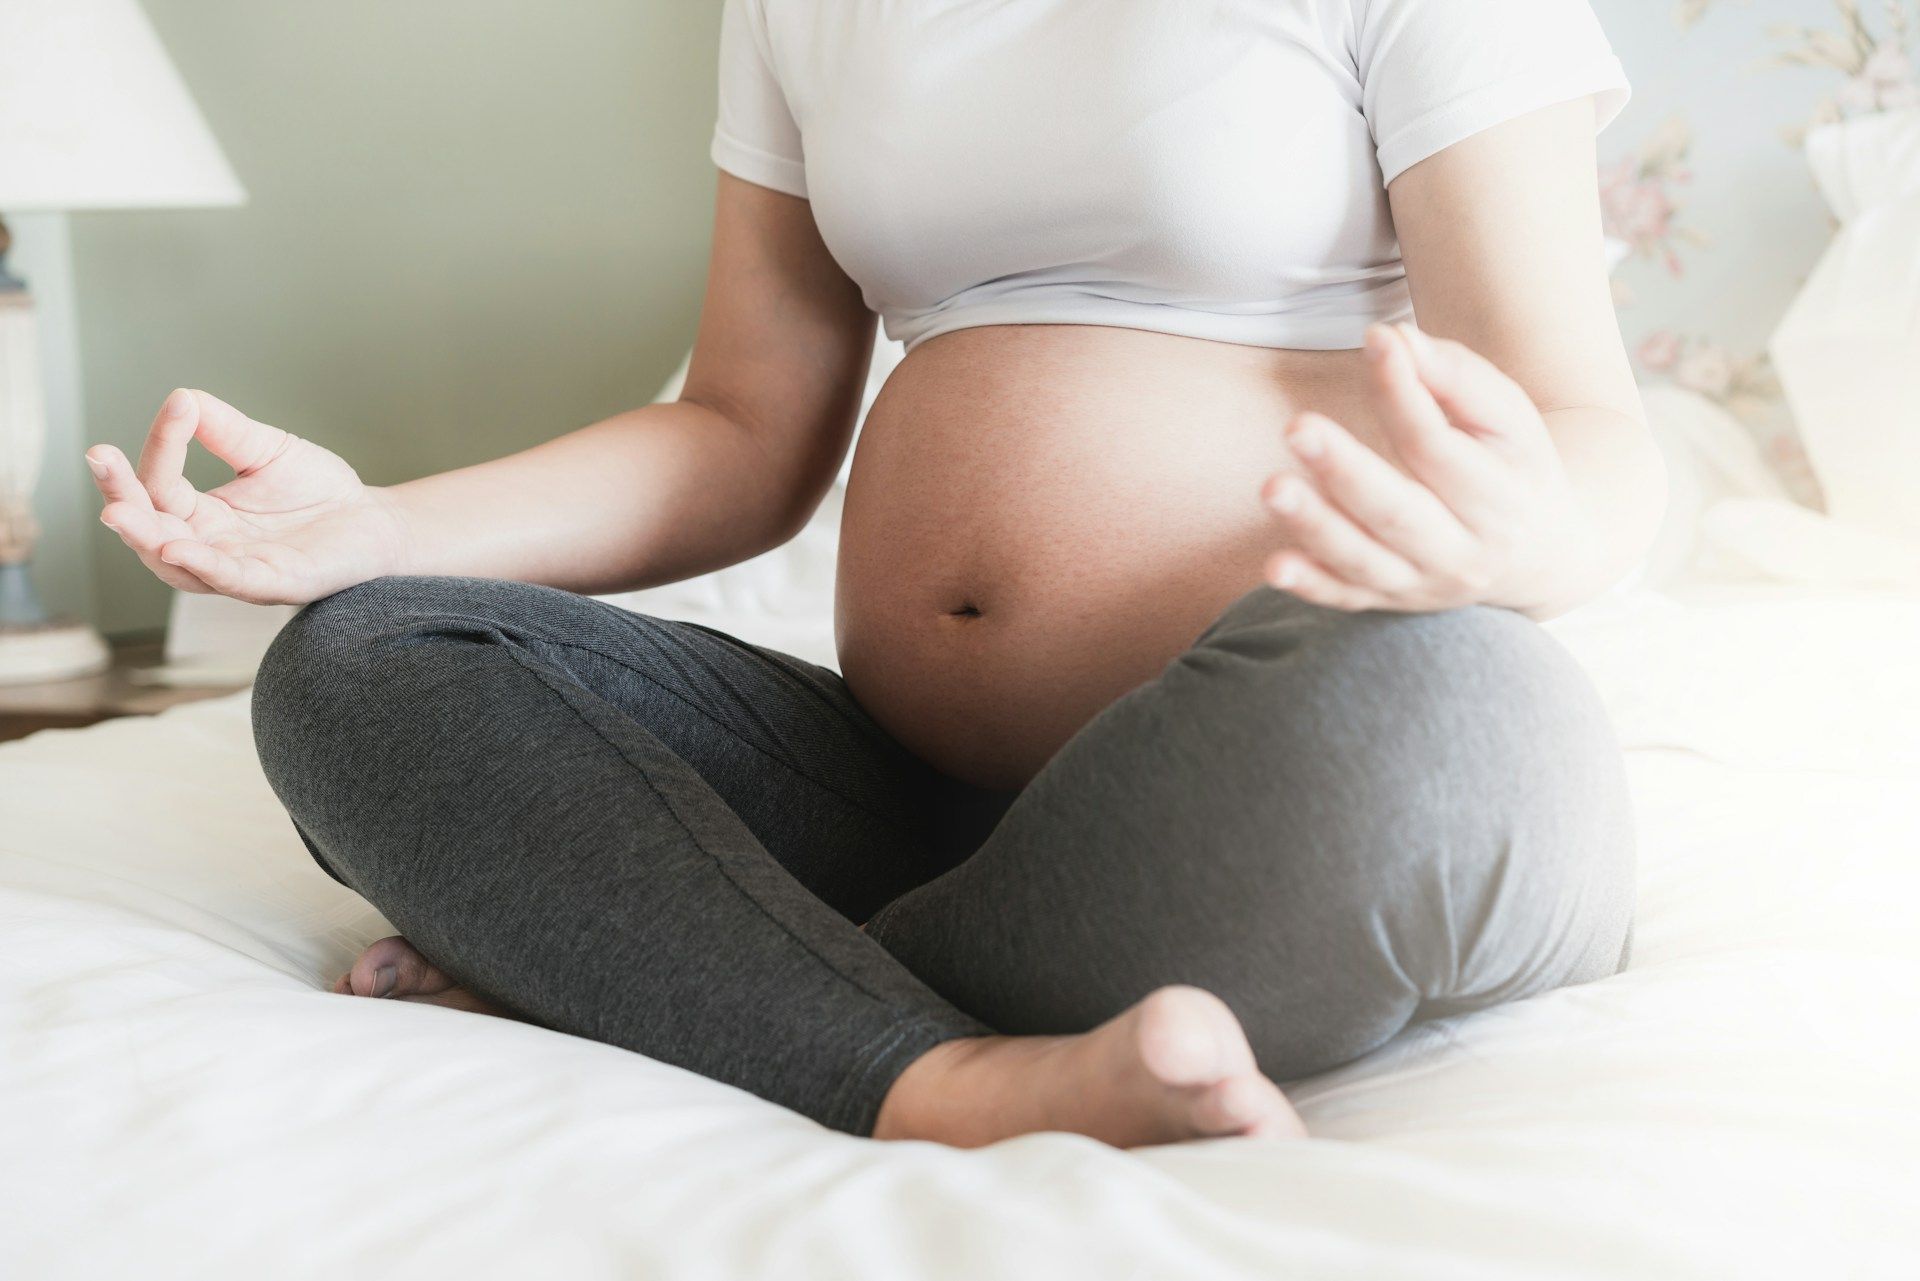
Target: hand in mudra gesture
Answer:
pixel 1479 511
pixel 294 524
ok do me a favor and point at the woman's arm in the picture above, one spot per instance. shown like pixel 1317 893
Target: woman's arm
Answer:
pixel 1525 473
pixel 663 492
pixel 1502 242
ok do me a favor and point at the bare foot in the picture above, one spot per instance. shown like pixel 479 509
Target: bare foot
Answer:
pixel 392 968
pixel 1176 1066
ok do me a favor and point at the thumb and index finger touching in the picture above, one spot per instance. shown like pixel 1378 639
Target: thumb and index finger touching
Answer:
pixel 227 434
pixel 186 416
pixel 145 503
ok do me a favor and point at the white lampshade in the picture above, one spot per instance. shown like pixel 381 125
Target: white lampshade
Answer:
pixel 94 116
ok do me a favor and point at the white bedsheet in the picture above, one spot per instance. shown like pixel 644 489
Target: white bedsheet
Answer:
pixel 180 1097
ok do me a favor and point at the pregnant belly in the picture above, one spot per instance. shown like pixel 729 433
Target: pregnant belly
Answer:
pixel 1040 517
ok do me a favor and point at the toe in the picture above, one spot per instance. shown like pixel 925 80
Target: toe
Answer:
pixel 392 967
pixel 1188 1036
pixel 1189 1039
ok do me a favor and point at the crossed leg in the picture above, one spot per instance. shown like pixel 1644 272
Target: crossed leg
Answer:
pixel 1331 824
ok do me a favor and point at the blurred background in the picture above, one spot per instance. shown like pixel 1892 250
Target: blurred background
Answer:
pixel 474 224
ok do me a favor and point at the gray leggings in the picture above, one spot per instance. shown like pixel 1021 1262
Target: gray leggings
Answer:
pixel 658 836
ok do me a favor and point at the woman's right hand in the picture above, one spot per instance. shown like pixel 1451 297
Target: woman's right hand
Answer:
pixel 294 524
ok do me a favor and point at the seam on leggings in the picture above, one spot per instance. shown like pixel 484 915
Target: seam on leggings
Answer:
pixel 680 668
pixel 720 724
pixel 780 665
pixel 700 845
pixel 872 1056
pixel 785 664
pixel 783 667
pixel 868 1057
pixel 836 793
pixel 753 714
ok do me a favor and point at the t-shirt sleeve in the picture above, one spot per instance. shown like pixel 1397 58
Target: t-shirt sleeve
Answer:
pixel 1434 72
pixel 755 137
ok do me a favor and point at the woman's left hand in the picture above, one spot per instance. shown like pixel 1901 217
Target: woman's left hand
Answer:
pixel 1483 512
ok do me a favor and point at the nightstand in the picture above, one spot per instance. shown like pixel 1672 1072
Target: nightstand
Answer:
pixel 91 699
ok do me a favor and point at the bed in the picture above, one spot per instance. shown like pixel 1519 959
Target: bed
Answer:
pixel 181 1097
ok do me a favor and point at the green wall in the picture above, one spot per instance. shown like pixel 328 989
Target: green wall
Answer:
pixel 474 224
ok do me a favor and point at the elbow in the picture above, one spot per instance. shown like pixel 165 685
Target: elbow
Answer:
pixel 798 487
pixel 1634 510
pixel 779 511
pixel 1649 490
pixel 1621 480
pixel 790 515
pixel 1654 489
pixel 784 473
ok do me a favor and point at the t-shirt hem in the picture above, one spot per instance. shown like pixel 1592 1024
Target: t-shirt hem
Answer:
pixel 1602 79
pixel 762 168
pixel 1294 333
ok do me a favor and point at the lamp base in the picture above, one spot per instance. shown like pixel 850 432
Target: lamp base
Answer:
pixel 55 651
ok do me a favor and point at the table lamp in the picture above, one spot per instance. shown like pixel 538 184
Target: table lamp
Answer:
pixel 92 116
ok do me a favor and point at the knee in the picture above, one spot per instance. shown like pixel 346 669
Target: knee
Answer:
pixel 338 637
pixel 1482 745
pixel 315 679
pixel 350 618
pixel 1471 703
pixel 1445 802
pixel 318 643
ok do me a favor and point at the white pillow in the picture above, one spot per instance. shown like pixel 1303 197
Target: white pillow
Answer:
pixel 1710 456
pixel 1848 350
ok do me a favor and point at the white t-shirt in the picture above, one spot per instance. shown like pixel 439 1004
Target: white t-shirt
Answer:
pixel 1213 168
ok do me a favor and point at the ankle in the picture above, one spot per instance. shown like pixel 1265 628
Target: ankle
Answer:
pixel 940 1093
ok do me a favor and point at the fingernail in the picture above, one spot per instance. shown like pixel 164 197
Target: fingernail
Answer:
pixel 98 468
pixel 1415 338
pixel 1286 497
pixel 1377 345
pixel 1307 442
pixel 1287 575
pixel 383 980
pixel 178 403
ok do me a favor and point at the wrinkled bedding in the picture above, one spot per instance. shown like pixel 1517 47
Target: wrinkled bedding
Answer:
pixel 180 1096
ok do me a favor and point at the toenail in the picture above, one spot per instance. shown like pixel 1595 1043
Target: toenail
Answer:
pixel 384 979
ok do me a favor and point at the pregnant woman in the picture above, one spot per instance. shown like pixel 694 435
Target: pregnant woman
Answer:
pixel 1193 731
